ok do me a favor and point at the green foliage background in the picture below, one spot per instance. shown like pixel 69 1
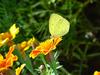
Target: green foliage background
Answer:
pixel 79 50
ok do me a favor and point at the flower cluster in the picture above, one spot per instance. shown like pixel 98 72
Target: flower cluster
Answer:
pixel 7 61
pixel 7 38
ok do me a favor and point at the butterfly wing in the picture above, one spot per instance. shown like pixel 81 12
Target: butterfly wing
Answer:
pixel 58 26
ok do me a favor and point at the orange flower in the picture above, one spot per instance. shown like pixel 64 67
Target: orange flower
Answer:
pixel 8 61
pixel 45 47
pixel 4 38
pixel 25 45
pixel 8 36
pixel 19 69
pixel 96 73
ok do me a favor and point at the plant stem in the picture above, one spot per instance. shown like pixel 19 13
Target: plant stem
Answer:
pixel 43 59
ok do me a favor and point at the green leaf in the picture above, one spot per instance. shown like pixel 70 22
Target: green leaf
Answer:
pixel 29 65
pixel 27 61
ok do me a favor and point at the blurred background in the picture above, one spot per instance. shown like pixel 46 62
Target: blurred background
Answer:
pixel 80 48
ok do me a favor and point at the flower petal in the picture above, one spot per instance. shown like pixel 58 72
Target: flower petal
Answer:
pixel 34 53
pixel 13 30
pixel 19 69
pixel 1 57
pixel 96 73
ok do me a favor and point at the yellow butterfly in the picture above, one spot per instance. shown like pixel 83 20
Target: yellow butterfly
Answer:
pixel 58 26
